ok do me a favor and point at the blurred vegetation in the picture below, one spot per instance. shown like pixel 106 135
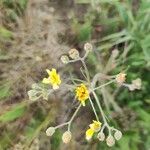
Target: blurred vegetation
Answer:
pixel 109 24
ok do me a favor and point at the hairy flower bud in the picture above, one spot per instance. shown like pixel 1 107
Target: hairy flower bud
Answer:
pixel 101 136
pixel 118 135
pixel 64 59
pixel 110 141
pixel 88 47
pixel 74 54
pixel 66 137
pixel 50 131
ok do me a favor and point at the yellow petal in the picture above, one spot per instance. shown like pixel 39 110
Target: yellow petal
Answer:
pixel 89 134
pixel 46 81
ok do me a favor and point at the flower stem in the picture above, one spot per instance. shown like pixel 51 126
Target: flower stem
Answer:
pixel 100 108
pixel 61 125
pixel 103 85
pixel 86 71
pixel 69 123
pixel 93 109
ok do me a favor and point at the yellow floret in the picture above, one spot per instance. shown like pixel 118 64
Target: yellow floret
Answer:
pixel 82 93
pixel 53 79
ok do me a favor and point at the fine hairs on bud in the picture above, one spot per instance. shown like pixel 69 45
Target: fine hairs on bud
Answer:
pixel 118 135
pixel 64 59
pixel 66 137
pixel 88 47
pixel 50 131
pixel 74 54
pixel 110 141
pixel 101 136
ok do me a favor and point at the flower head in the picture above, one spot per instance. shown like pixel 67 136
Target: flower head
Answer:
pixel 53 79
pixel 67 137
pixel 120 78
pixel 101 136
pixel 88 47
pixel 110 141
pixel 74 54
pixel 118 135
pixel 89 134
pixel 64 59
pixel 82 93
pixel 50 131
pixel 96 126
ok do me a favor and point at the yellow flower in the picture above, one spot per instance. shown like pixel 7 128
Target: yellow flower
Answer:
pixel 89 134
pixel 53 79
pixel 82 93
pixel 95 126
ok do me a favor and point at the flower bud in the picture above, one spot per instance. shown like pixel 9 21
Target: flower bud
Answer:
pixel 120 78
pixel 88 47
pixel 64 59
pixel 101 136
pixel 50 131
pixel 118 135
pixel 74 54
pixel 110 141
pixel 66 137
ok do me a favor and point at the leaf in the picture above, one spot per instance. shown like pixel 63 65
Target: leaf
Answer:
pixel 13 114
pixel 5 92
pixel 22 3
pixel 85 32
pixel 83 1
pixel 124 143
pixel 4 33
pixel 145 43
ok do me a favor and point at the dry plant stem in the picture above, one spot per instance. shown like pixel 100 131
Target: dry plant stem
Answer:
pixel 69 123
pixel 93 109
